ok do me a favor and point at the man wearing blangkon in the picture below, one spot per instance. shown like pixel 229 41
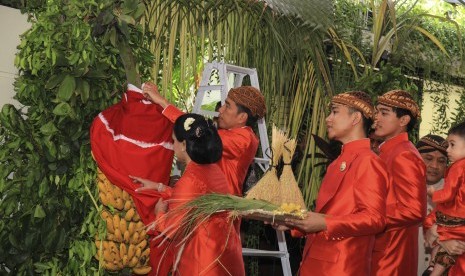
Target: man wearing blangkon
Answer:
pixel 351 203
pixel 396 250
pixel 433 150
pixel 241 110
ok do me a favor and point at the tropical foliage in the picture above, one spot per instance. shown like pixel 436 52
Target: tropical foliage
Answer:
pixel 48 212
pixel 291 65
pixel 396 44
pixel 79 54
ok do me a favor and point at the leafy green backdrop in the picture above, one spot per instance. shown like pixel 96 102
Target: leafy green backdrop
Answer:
pixel 79 55
pixel 68 74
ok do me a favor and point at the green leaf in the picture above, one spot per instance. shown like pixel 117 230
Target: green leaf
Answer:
pixel 83 89
pixel 52 149
pixel 62 109
pixel 129 6
pixel 43 187
pixel 31 241
pixel 54 81
pixel 39 212
pixel 9 209
pixel 113 36
pixel 6 109
pixel 82 68
pixel 433 38
pixel 41 267
pixel 49 238
pixel 124 29
pixel 8 117
pixel 60 58
pixel 14 241
pixel 64 151
pixel 96 73
pixel 67 88
pixel 140 11
pixel 3 185
pixel 107 17
pixel 48 129
pixel 61 238
pixel 14 144
pixel 29 145
pixel 127 18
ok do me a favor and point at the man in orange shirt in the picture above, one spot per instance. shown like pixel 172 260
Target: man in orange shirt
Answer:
pixel 241 110
pixel 396 249
pixel 243 107
pixel 351 203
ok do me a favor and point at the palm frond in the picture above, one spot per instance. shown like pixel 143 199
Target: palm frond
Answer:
pixel 281 39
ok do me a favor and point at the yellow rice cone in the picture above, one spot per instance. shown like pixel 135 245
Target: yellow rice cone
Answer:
pixel 267 188
pixel 289 189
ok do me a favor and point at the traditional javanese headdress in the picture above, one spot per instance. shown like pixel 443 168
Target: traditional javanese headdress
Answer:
pixel 400 99
pixel 431 143
pixel 249 97
pixel 358 100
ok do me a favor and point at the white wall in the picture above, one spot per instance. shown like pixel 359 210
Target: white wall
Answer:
pixel 12 24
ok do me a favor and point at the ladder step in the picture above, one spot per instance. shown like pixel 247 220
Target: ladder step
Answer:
pixel 262 160
pixel 210 87
pixel 241 70
pixel 264 253
pixel 224 71
pixel 263 163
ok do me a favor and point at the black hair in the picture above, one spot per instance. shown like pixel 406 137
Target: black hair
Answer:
pixel 203 144
pixel 458 130
pixel 218 106
pixel 251 120
pixel 367 122
pixel 402 112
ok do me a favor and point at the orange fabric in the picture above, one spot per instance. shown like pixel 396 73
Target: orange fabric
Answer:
pixel 451 200
pixel 215 247
pixel 172 113
pixel 458 269
pixel 161 256
pixel 429 220
pixel 239 148
pixel 126 142
pixel 451 233
pixel 396 250
pixel 352 194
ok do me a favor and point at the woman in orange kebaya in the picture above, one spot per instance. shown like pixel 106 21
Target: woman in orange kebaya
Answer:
pixel 214 248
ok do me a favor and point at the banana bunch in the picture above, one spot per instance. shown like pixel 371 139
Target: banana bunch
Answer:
pixel 126 242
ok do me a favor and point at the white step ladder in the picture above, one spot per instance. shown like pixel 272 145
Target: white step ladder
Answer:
pixel 225 71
